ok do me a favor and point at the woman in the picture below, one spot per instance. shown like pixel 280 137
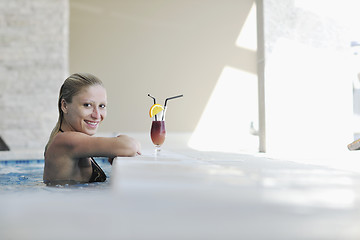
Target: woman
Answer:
pixel 68 154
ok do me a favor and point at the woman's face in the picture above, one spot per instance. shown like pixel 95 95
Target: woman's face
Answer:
pixel 86 111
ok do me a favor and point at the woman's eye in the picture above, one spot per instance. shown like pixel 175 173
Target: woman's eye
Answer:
pixel 102 106
pixel 87 105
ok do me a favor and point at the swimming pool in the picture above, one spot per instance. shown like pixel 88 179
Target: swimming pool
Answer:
pixel 26 175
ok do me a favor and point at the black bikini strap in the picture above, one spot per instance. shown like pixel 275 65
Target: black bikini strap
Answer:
pixel 61 130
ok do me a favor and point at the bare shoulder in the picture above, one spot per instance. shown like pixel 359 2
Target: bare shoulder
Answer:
pixel 63 143
pixel 66 140
pixel 70 139
pixel 77 145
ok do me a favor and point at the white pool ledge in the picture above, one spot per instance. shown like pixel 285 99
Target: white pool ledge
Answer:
pixel 189 194
pixel 231 196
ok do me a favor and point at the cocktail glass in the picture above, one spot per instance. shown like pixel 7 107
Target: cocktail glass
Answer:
pixel 158 131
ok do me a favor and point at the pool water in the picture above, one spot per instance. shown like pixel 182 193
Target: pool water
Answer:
pixel 25 175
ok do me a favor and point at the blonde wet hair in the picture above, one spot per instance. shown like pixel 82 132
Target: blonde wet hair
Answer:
pixel 71 87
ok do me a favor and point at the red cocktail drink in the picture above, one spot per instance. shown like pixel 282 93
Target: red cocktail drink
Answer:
pixel 158 132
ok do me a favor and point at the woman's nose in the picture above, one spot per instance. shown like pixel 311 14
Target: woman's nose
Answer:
pixel 95 113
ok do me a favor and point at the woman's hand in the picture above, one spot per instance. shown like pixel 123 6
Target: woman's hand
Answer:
pixel 133 144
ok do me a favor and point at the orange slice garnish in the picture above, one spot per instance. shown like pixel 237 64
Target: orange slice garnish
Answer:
pixel 155 109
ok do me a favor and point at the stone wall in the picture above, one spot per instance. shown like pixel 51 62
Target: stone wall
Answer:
pixel 33 64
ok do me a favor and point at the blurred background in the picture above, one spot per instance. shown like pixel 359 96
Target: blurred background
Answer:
pixel 272 76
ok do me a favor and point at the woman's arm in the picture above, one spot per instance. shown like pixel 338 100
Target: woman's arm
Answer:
pixel 80 145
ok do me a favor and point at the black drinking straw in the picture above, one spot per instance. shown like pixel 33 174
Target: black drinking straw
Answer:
pixel 154 103
pixel 152 98
pixel 166 103
pixel 172 98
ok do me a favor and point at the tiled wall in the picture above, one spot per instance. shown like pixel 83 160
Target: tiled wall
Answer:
pixel 33 64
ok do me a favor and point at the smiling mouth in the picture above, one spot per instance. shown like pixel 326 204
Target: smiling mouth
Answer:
pixel 92 124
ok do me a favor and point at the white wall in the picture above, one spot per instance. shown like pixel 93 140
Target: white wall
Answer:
pixel 160 47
